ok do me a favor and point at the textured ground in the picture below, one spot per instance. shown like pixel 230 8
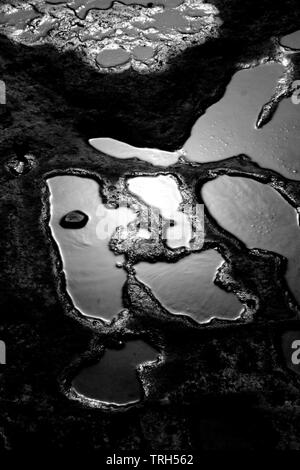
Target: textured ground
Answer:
pixel 222 386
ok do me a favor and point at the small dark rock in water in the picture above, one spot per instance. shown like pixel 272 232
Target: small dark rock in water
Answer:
pixel 74 219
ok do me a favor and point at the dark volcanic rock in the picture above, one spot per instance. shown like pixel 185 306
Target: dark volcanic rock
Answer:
pixel 55 102
pixel 20 165
pixel 74 219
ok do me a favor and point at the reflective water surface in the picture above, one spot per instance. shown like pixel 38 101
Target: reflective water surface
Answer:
pixel 118 149
pixel 93 280
pixel 187 287
pixel 112 57
pixel 291 40
pixel 259 216
pixel 143 52
pixel 114 378
pixel 228 127
pixel 83 6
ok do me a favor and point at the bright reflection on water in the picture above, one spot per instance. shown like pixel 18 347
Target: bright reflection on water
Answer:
pixel 114 379
pixel 83 6
pixel 113 57
pixel 19 17
pixel 163 193
pixel 259 216
pixel 187 287
pixel 291 40
pixel 228 127
pixel 93 280
pixel 118 149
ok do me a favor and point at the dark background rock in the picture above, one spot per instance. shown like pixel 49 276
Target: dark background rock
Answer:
pixel 220 387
